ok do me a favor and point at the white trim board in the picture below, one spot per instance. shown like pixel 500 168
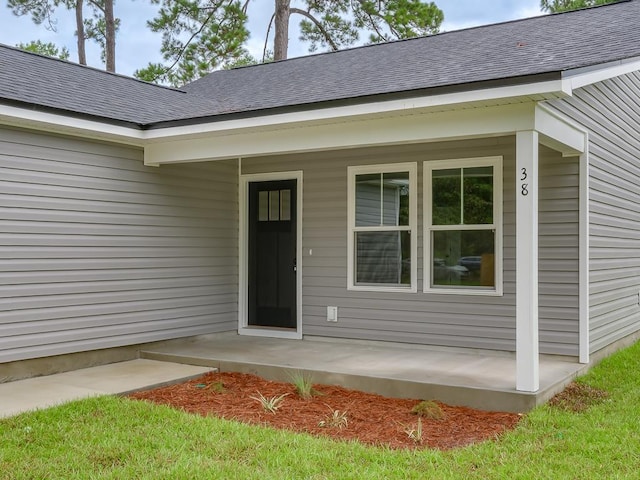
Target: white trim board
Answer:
pixel 243 327
pixel 584 323
pixel 527 328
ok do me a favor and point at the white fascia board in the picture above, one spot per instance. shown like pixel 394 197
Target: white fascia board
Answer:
pixel 57 123
pixel 583 77
pixel 559 132
pixel 349 133
pixel 550 88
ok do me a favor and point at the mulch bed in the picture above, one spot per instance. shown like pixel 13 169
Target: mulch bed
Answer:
pixel 370 419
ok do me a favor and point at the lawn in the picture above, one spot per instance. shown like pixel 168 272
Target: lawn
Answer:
pixel 122 439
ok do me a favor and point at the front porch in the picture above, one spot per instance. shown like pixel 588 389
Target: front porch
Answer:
pixel 479 379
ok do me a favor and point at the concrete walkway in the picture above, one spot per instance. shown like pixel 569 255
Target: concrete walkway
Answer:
pixel 116 378
pixel 482 380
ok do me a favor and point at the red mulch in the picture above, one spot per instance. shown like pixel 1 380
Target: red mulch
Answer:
pixel 371 419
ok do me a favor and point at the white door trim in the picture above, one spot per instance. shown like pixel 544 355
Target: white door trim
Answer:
pixel 243 326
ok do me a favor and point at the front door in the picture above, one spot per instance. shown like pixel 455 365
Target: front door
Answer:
pixel 272 252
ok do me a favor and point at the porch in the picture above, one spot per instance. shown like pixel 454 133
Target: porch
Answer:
pixel 479 379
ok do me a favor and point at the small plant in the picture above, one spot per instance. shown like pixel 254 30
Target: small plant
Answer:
pixel 270 404
pixel 578 397
pixel 415 434
pixel 303 385
pixel 216 387
pixel 336 419
pixel 428 409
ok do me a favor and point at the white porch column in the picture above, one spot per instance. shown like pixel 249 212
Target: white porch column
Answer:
pixel 527 350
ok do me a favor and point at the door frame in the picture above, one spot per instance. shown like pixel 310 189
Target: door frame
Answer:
pixel 243 291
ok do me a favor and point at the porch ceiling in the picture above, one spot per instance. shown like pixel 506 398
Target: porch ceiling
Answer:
pixel 405 126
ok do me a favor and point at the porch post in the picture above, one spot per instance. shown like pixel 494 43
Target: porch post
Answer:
pixel 527 350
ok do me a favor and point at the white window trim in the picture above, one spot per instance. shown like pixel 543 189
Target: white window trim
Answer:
pixel 496 163
pixel 412 168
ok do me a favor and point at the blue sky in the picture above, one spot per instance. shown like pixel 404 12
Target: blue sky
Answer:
pixel 136 45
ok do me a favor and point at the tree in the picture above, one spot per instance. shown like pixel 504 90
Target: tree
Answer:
pixel 49 49
pixel 102 27
pixel 199 36
pixel 555 6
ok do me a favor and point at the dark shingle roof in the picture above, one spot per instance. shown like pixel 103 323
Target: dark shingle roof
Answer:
pixel 551 43
pixel 55 84
pixel 505 53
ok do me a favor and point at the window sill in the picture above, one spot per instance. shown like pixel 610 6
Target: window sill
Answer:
pixel 463 291
pixel 386 289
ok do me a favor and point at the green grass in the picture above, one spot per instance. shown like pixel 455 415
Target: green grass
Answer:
pixel 115 438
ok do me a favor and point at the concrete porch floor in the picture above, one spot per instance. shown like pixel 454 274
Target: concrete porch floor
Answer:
pixel 483 380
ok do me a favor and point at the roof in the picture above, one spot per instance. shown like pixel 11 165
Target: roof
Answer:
pixel 506 53
pixel 49 83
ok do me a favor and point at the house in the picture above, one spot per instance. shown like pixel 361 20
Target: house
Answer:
pixel 474 189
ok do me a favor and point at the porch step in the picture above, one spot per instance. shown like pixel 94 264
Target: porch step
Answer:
pixel 453 378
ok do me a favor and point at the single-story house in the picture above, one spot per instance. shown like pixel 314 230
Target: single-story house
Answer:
pixel 474 189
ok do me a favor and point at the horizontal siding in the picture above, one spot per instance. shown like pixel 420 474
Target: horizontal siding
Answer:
pixel 98 251
pixel 450 320
pixel 610 110
pixel 558 262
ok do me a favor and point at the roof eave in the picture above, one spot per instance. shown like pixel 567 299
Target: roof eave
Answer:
pixel 539 88
pixel 590 74
pixel 437 92
pixel 22 115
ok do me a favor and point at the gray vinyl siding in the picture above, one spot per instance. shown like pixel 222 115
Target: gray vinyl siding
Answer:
pixel 486 322
pixel 610 110
pixel 98 251
pixel 558 250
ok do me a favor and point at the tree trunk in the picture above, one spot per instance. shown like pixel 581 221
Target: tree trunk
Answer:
pixel 281 39
pixel 82 56
pixel 110 36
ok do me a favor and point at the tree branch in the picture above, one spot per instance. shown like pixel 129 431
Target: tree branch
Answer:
pixel 266 37
pixel 374 25
pixel 317 23
pixel 186 44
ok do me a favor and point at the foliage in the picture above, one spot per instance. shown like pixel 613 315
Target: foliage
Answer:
pixel 100 27
pixel 49 49
pixel 199 36
pixel 578 397
pixel 113 437
pixel 428 409
pixel 336 419
pixel 415 433
pixel 338 24
pixel 270 404
pixel 96 28
pixel 555 6
pixel 303 384
pixel 217 387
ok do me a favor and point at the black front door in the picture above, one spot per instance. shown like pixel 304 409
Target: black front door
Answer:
pixel 272 254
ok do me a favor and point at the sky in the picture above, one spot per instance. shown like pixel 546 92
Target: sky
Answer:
pixel 137 45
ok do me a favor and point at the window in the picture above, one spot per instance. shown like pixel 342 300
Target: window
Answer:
pixel 382 216
pixel 463 226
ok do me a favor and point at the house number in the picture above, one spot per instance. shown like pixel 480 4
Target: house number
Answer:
pixel 524 187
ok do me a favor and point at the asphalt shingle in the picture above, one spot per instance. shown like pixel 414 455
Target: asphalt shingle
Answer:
pixel 505 53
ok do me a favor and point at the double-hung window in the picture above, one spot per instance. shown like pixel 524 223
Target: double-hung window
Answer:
pixel 382 216
pixel 463 226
